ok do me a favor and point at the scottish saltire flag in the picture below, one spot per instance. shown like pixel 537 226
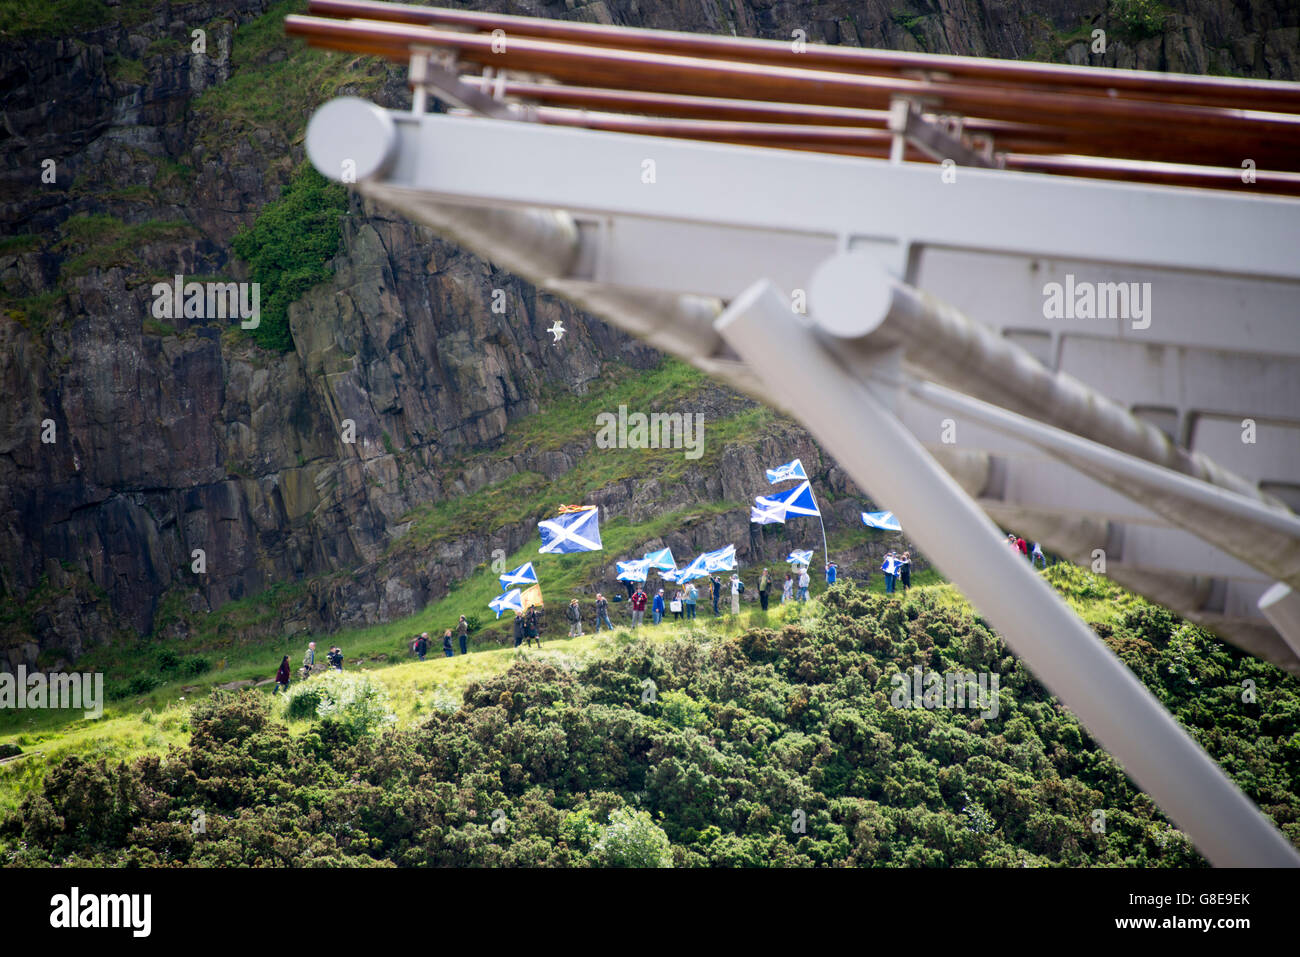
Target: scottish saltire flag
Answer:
pixel 797 501
pixel 890 565
pixel 574 531
pixel 513 600
pixel 883 520
pixel 523 575
pixel 691 572
pixel 798 557
pixel 722 560
pixel 769 514
pixel 635 570
pixel 783 473
pixel 662 560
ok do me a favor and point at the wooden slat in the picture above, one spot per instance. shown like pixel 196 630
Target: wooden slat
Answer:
pixel 1275 137
pixel 1268 95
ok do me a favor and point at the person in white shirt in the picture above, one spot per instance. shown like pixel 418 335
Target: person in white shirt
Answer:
pixel 735 594
pixel 804 581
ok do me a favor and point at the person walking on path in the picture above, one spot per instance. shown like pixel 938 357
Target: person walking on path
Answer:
pixel 519 630
pixel 638 606
pixel 692 595
pixel 309 659
pixel 1023 548
pixel 716 582
pixel 905 570
pixel 446 643
pixel 282 677
pixel 736 588
pixel 463 626
pixel 422 645
pixel 787 589
pixel 602 613
pixel 804 582
pixel 764 583
pixel 658 606
pixel 832 570
pixel 1036 554
pixel 574 614
pixel 335 658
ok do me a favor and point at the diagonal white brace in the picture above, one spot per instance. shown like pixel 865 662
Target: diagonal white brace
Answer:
pixel 1060 649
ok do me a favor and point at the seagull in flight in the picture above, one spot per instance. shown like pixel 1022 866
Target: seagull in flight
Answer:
pixel 557 330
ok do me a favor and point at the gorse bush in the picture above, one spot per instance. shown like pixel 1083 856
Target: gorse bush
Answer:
pixel 353 702
pixel 632 839
pixel 747 737
pixel 289 248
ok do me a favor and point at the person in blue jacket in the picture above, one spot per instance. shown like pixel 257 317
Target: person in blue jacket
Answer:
pixel 659 606
pixel 831 572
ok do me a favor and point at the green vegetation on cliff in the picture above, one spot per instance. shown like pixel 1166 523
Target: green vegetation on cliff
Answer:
pixel 289 248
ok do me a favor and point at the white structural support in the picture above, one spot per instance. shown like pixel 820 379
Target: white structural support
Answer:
pixel 1165 435
pixel 1060 648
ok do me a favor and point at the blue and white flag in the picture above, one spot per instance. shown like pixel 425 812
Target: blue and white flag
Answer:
pixel 722 560
pixel 571 532
pixel 690 572
pixel 523 575
pixel 883 520
pixel 513 600
pixel 783 473
pixel 662 560
pixel 635 570
pixel 797 501
pixel 890 565
pixel 767 514
pixel 798 557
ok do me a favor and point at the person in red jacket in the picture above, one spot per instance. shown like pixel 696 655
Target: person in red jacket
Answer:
pixel 1023 546
pixel 638 606
pixel 282 677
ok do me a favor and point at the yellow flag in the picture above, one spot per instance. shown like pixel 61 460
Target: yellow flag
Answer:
pixel 531 596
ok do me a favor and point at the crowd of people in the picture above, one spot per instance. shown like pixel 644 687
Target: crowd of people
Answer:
pixel 333 658
pixel 681 604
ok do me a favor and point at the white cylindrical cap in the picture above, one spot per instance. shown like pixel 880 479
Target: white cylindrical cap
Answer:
pixel 850 295
pixel 351 140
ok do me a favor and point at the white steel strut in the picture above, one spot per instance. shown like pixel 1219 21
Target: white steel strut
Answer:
pixel 659 235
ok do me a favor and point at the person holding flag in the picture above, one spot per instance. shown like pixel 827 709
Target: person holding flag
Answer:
pixel 692 594
pixel 716 582
pixel 804 582
pixel 764 584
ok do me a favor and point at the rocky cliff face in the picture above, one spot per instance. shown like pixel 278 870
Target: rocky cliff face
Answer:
pixel 126 444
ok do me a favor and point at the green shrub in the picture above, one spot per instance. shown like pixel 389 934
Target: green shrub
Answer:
pixel 1140 19
pixel 353 702
pixel 289 248
pixel 632 839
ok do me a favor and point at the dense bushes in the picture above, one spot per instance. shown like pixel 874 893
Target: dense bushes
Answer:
pixel 776 748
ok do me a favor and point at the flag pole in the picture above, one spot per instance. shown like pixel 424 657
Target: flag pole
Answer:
pixel 826 552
